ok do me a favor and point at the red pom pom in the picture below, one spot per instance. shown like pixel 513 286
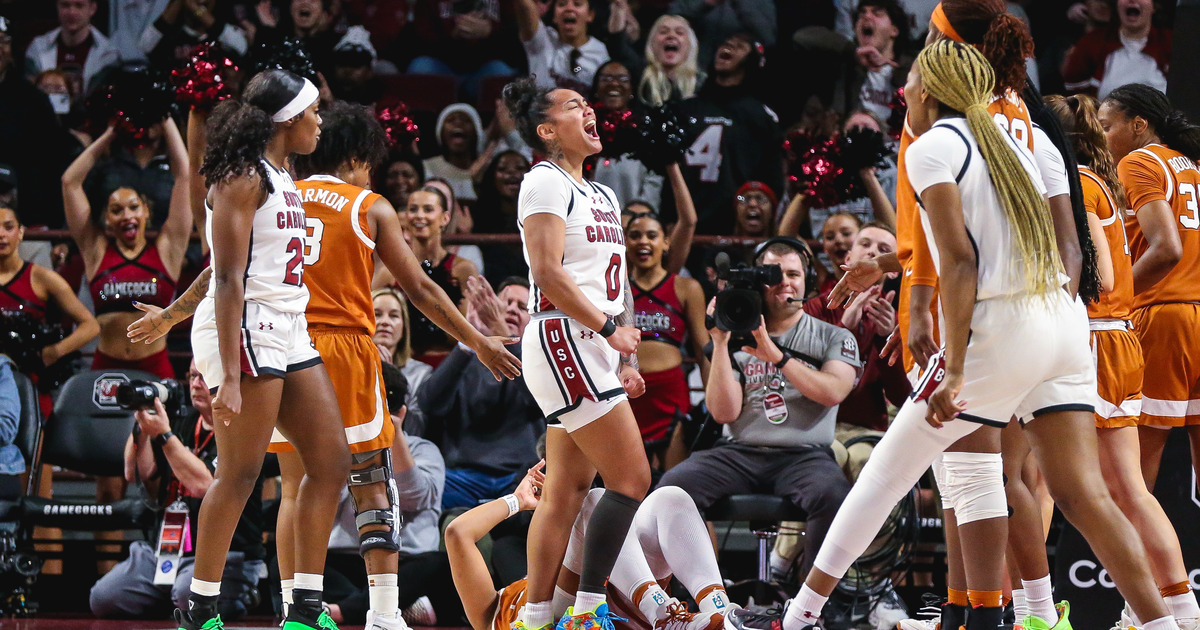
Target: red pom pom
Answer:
pixel 402 131
pixel 814 167
pixel 201 83
pixel 617 129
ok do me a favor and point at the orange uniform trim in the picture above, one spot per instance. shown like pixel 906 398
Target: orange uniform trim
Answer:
pixel 957 597
pixel 985 599
pixel 940 20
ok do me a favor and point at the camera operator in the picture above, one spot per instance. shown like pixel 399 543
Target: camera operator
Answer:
pixel 779 403
pixel 175 463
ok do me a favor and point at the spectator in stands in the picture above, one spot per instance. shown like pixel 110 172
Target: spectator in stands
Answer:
pixel 12 462
pixel 423 571
pixel 403 172
pixel 127 21
pixel 1092 14
pixel 737 138
pixel 461 222
pixel 871 317
pixel 917 14
pixel 394 340
pixel 566 55
pixel 487 429
pixel 1131 51
pixel 28 133
pixel 671 72
pixel 57 86
pixel 779 401
pixel 386 17
pixel 715 21
pixel 754 210
pixel 468 40
pixel 878 204
pixel 352 65
pixel 628 177
pixel 837 237
pixel 189 452
pixel 75 47
pixel 459 133
pixel 168 42
pixel 874 64
pixel 495 212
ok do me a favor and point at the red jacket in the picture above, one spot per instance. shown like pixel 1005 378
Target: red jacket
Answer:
pixel 1084 67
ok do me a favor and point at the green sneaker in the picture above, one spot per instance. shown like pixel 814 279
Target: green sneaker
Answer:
pixel 296 622
pixel 186 623
pixel 1064 623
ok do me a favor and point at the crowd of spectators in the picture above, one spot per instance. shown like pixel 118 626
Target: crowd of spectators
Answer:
pixel 742 75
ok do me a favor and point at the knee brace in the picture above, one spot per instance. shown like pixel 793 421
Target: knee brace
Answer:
pixel 974 485
pixel 389 517
pixel 939 478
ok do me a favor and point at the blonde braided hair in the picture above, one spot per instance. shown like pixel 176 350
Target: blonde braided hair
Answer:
pixel 960 78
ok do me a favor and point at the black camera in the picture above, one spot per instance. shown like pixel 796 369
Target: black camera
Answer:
pixel 739 305
pixel 137 395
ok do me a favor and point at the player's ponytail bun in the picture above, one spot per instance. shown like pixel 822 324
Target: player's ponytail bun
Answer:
pixel 960 78
pixel 1002 37
pixel 527 104
pixel 1170 124
pixel 238 131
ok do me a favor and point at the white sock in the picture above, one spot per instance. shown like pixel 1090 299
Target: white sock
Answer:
pixel 206 589
pixel 1183 607
pixel 383 593
pixel 537 615
pixel 779 564
pixel 1020 606
pixel 308 582
pixel 805 609
pixel 715 602
pixel 286 587
pixel 561 602
pixel 1162 623
pixel 587 602
pixel 1039 596
pixel 653 603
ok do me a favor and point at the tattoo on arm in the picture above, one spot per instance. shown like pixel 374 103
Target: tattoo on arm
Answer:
pixel 626 319
pixel 185 306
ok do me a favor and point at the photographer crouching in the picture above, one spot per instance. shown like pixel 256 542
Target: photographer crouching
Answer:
pixel 173 456
pixel 777 391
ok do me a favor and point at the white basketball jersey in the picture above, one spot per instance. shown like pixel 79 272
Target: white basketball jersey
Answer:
pixel 275 270
pixel 594 248
pixel 948 153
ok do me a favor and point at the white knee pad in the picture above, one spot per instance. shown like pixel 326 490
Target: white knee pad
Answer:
pixel 974 485
pixel 939 478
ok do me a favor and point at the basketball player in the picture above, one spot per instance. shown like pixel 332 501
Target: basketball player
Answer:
pixel 1002 293
pixel 1118 356
pixel 1157 148
pixel 251 339
pixel 572 348
pixel 668 539
pixel 347 225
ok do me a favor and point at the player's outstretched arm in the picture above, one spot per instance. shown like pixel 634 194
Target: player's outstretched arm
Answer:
pixel 430 298
pixel 158 321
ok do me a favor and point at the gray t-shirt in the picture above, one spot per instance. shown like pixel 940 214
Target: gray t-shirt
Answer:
pixel 774 412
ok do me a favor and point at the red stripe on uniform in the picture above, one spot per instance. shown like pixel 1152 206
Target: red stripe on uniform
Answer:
pixel 556 331
pixel 247 366
pixel 544 303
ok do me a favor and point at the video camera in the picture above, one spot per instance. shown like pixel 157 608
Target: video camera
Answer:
pixel 739 305
pixel 138 395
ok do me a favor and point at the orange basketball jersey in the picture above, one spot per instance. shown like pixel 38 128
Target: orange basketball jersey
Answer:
pixel 1157 173
pixel 912 249
pixel 1099 200
pixel 512 600
pixel 338 263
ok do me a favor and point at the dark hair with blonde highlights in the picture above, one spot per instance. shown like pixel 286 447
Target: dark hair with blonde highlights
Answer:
pixel 1079 119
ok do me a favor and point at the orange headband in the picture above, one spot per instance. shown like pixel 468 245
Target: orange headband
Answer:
pixel 940 20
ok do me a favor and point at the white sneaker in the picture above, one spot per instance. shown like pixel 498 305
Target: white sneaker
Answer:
pixel 393 621
pixel 678 618
pixel 420 613
pixel 919 624
pixel 889 611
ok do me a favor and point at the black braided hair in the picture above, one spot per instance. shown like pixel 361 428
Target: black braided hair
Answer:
pixel 1089 277
pixel 1170 124
pixel 348 132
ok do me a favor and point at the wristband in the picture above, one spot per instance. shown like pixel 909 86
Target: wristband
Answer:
pixel 514 505
pixel 161 439
pixel 608 328
pixel 782 362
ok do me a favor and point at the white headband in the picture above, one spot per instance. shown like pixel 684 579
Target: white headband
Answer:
pixel 307 96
